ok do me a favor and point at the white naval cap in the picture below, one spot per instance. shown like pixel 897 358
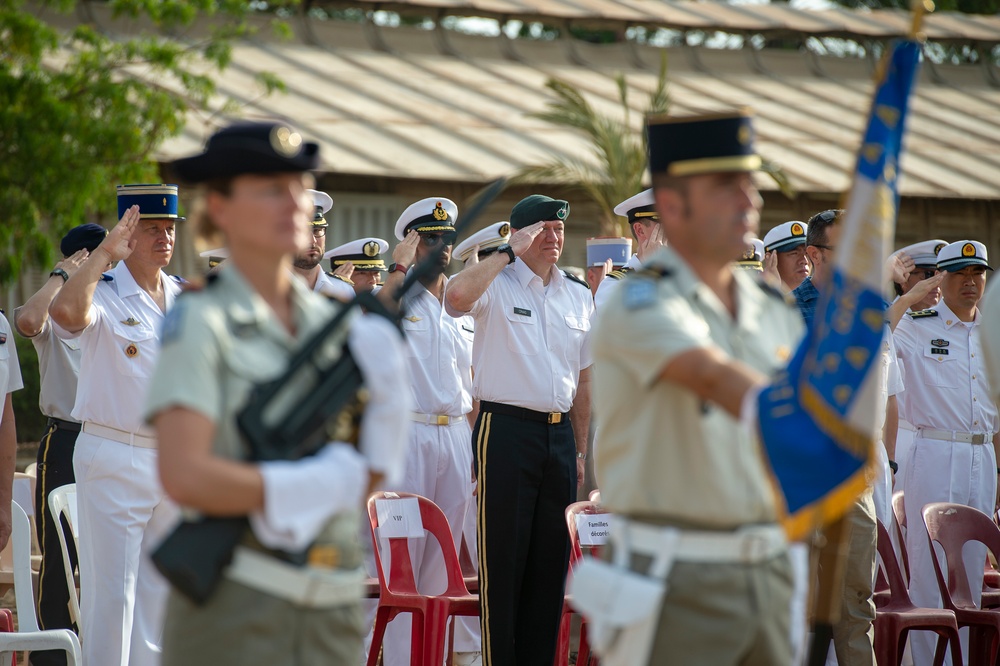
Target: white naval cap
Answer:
pixel 488 240
pixel 786 236
pixel 216 256
pixel 323 203
pixel 924 253
pixel 430 214
pixel 364 253
pixel 753 256
pixel 639 207
pixel 956 256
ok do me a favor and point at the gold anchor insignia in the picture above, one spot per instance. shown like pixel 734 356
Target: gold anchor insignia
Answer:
pixel 131 351
pixel 285 141
pixel 131 321
pixel 504 230
pixel 440 214
pixel 371 249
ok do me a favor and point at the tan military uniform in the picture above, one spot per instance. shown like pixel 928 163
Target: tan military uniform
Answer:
pixel 216 345
pixel 668 458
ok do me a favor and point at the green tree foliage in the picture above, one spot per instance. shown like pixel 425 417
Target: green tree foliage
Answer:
pixel 81 111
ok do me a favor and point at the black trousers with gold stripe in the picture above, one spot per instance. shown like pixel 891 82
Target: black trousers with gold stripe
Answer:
pixel 527 478
pixel 55 468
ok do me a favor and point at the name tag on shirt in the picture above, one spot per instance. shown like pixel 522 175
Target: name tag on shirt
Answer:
pixel 522 311
pixel 593 530
pixel 399 518
pixel 936 350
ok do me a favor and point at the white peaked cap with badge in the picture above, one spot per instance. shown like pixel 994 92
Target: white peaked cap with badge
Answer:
pixel 641 200
pixel 786 236
pixel 956 256
pixel 924 253
pixel 430 214
pixel 364 253
pixel 489 238
pixel 321 200
pixel 220 252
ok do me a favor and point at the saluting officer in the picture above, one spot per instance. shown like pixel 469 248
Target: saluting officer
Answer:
pixel 123 512
pixel 785 253
pixel 487 240
pixel 643 221
pixel 675 462
pixel 359 262
pixel 438 455
pixel 59 368
pixel 949 403
pixel 531 362
pixel 307 263
pixel 240 330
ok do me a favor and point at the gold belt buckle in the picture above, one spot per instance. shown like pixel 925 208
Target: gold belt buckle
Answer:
pixel 555 417
pixel 443 419
pixel 979 438
pixel 323 557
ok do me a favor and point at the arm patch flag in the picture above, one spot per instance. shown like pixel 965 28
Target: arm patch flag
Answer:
pixel 818 418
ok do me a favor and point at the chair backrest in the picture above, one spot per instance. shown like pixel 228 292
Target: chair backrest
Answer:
pixel 899 513
pixel 890 567
pixel 585 508
pixel 24 593
pixel 952 525
pixel 400 579
pixel 595 495
pixel 62 505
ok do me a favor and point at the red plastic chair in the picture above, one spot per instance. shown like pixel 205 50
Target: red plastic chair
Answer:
pixel 895 619
pixel 398 590
pixel 899 512
pixel 952 526
pixel 583 656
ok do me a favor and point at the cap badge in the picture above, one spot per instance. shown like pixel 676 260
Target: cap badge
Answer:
pixel 131 351
pixel 744 135
pixel 440 214
pixel 371 249
pixel 749 255
pixel 968 250
pixel 164 201
pixel 285 141
pixel 563 212
pixel 797 230
pixel 504 230
pixel 939 247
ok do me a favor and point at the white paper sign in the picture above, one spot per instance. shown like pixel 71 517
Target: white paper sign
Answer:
pixel 399 518
pixel 593 530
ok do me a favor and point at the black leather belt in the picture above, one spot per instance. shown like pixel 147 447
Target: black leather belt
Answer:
pixel 552 418
pixel 72 426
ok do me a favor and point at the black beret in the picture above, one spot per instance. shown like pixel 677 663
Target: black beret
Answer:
pixel 86 236
pixel 249 148
pixel 690 145
pixel 536 208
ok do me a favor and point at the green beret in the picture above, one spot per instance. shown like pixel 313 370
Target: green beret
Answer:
pixel 538 208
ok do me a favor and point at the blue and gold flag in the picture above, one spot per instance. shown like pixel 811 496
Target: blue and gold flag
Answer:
pixel 818 419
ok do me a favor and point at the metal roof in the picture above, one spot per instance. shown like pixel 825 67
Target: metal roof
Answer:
pixel 453 107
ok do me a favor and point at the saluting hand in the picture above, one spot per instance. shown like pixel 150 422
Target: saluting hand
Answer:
pixel 522 239
pixel 770 266
pixel 922 288
pixel 345 270
pixel 406 250
pixel 898 267
pixel 474 257
pixel 73 262
pixel 650 243
pixel 118 244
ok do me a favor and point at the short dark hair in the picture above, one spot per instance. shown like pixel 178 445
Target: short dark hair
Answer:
pixel 819 223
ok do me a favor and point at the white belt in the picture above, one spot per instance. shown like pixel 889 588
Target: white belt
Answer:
pixel 747 545
pixel 906 425
pixel 116 435
pixel 435 419
pixel 303 586
pixel 956 436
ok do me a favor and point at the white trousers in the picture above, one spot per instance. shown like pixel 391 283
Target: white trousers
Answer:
pixel 123 515
pixel 439 467
pixel 940 471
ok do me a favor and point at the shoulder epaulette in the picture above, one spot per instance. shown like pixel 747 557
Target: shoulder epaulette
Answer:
pixel 655 271
pixel 620 273
pixel 107 277
pixel 920 314
pixel 576 279
pixel 178 279
pixel 339 277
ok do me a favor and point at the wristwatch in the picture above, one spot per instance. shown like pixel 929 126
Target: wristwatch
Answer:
pixel 581 455
pixel 509 250
pixel 394 267
pixel 61 273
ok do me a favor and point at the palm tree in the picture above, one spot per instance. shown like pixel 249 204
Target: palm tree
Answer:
pixel 618 164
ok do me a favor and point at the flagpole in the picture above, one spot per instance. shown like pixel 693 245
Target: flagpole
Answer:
pixel 919 8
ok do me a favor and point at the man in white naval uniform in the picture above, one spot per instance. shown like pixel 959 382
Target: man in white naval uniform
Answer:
pixel 307 263
pixel 123 510
pixel 949 402
pixel 438 456
pixel 644 223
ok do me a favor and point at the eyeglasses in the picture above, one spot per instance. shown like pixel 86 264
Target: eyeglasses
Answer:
pixel 831 248
pixel 926 273
pixel 319 232
pixel 430 240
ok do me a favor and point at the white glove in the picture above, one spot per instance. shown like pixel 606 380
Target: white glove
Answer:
pixel 301 496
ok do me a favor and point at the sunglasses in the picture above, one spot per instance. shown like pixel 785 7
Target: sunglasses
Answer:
pixel 430 240
pixel 926 273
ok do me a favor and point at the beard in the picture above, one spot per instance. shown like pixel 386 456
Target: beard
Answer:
pixel 305 263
